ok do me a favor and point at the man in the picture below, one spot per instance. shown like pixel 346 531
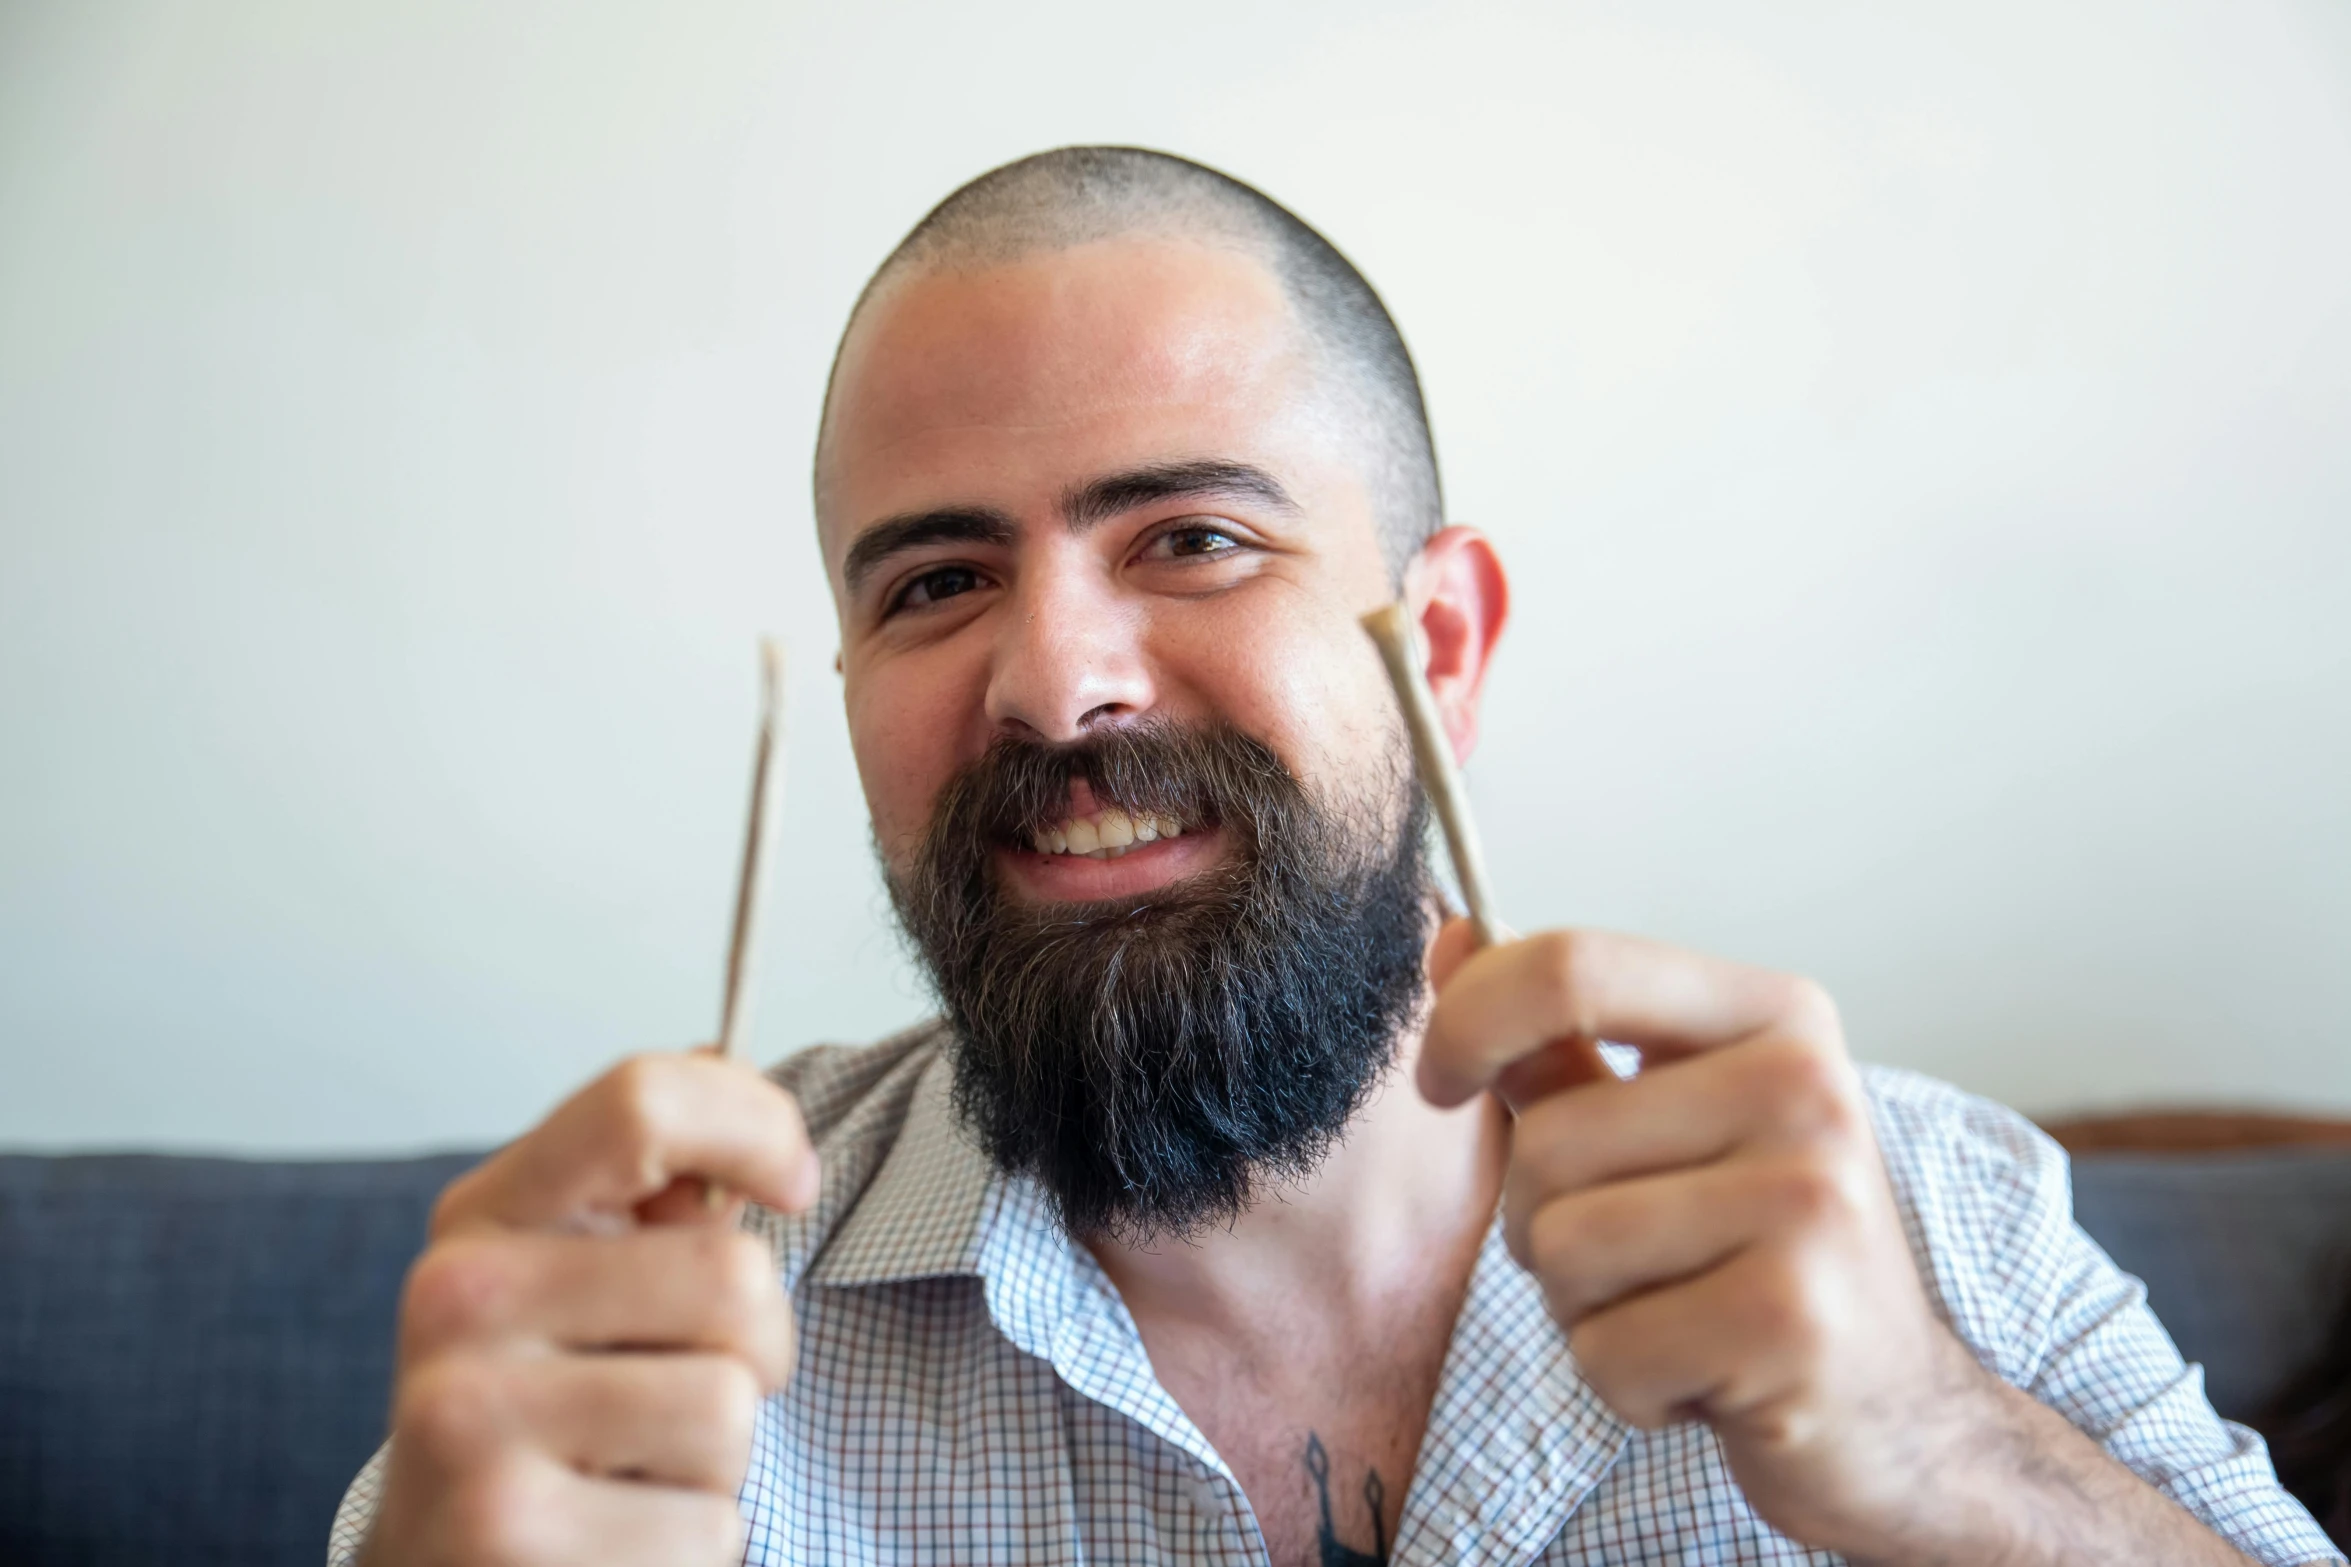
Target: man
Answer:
pixel 1238 1210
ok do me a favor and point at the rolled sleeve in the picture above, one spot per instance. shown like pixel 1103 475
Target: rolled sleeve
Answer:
pixel 1987 1199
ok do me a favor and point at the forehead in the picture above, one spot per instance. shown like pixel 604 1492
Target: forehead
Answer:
pixel 1020 378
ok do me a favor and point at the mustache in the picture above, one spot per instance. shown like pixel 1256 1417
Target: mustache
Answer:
pixel 1205 775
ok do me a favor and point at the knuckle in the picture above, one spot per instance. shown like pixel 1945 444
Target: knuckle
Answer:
pixel 1550 1133
pixel 499 1516
pixel 791 1127
pixel 1780 1312
pixel 452 1411
pixel 1558 1243
pixel 748 1313
pixel 1603 1366
pixel 1590 1343
pixel 457 1288
pixel 788 1105
pixel 1568 960
pixel 746 1274
pixel 450 1206
pixel 1557 1236
pixel 1808 1192
pixel 1561 1303
pixel 1612 1223
pixel 638 1077
pixel 1514 1241
pixel 1810 1008
pixel 1809 1086
pixel 636 1110
pixel 730 1408
pixel 1794 1069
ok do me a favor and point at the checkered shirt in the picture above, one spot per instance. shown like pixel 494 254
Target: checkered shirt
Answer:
pixel 971 1388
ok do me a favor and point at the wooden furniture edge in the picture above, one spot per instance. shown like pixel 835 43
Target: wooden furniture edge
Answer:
pixel 2194 1131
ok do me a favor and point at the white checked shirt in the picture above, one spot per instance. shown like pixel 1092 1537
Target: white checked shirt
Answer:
pixel 971 1388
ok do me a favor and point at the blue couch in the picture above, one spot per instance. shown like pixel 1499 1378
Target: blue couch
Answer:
pixel 195 1353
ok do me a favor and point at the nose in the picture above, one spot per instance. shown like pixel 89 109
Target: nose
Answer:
pixel 1068 661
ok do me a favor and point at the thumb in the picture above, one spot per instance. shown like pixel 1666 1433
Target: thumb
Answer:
pixel 1455 943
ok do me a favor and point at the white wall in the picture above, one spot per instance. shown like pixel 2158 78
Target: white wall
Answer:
pixel 1922 434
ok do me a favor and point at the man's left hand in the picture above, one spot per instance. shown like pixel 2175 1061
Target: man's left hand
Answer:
pixel 1718 1237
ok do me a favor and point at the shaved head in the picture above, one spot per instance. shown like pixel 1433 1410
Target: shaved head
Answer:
pixel 1080 195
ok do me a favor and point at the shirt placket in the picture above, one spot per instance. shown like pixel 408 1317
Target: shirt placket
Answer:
pixel 1064 1310
pixel 1516 1438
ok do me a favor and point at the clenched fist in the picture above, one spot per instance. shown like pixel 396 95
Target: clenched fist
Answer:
pixel 585 1341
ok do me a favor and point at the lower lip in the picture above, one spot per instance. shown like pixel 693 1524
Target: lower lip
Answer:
pixel 1077 878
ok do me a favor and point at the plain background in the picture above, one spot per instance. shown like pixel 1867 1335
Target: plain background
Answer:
pixel 1921 433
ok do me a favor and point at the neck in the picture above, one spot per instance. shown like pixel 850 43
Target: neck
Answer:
pixel 1399 1206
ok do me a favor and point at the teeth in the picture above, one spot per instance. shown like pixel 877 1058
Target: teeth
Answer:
pixel 1106 835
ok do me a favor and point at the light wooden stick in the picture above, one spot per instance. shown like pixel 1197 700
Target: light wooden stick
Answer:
pixel 1392 631
pixel 767 774
pixel 767 771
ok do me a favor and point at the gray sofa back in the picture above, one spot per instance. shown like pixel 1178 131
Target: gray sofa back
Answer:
pixel 195 1353
pixel 2246 1256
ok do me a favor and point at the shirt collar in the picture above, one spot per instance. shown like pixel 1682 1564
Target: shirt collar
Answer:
pixel 924 1215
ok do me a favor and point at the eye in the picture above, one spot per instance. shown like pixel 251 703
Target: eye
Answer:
pixel 934 586
pixel 1193 541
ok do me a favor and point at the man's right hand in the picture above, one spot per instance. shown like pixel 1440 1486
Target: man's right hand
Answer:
pixel 585 1341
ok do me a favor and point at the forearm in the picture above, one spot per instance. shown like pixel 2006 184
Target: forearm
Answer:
pixel 2027 1489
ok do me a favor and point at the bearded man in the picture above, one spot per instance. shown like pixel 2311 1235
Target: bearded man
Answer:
pixel 1237 1210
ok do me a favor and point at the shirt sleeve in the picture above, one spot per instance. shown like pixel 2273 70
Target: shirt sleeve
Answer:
pixel 358 1512
pixel 1988 1202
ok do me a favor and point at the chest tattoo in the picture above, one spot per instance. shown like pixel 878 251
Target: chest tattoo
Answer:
pixel 1336 1553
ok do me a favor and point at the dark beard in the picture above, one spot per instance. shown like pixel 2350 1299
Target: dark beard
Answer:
pixel 1153 1061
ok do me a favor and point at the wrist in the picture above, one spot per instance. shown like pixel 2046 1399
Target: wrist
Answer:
pixel 1953 1477
pixel 2016 1485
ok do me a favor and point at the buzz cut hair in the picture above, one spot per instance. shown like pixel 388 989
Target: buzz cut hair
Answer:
pixel 1075 195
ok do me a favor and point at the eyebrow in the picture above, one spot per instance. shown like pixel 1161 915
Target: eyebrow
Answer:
pixel 1083 506
pixel 948 525
pixel 1207 478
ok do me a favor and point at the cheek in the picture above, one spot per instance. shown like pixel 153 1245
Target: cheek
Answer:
pixel 906 732
pixel 1305 680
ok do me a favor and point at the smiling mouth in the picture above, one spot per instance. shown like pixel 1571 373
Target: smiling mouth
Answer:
pixel 1106 834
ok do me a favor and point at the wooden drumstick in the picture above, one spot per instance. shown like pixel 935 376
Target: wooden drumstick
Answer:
pixel 1392 631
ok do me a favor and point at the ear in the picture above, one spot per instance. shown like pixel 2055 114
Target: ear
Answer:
pixel 1459 597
